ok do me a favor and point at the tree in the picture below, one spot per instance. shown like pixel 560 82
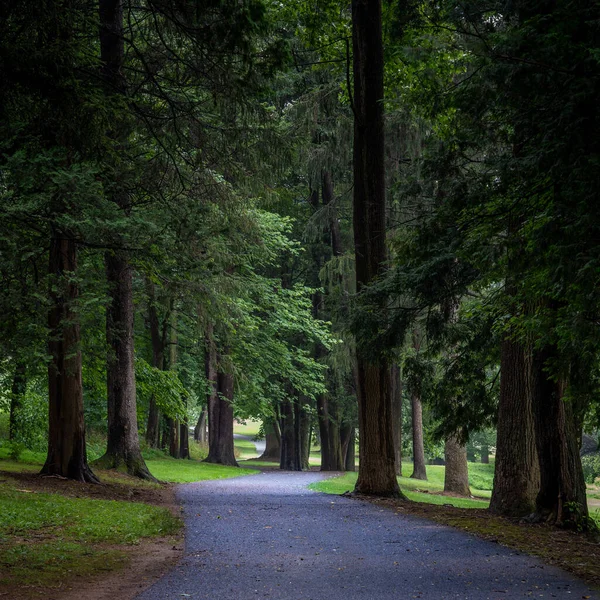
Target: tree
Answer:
pixel 377 469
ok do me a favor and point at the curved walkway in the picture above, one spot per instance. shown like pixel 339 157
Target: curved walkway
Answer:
pixel 267 536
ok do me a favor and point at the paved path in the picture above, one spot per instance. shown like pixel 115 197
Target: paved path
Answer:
pixel 267 536
pixel 260 445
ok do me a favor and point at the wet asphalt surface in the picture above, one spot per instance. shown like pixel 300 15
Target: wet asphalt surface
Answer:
pixel 267 536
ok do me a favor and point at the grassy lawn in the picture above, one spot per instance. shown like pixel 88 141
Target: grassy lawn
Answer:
pixel 248 427
pixel 51 531
pixel 434 487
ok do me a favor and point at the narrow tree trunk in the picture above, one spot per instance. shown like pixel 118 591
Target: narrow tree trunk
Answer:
pixel 305 429
pixel 377 466
pixel 158 361
pixel 17 393
pixel 485 455
pixel 562 495
pixel 516 472
pixel 348 434
pixel 200 433
pixel 456 479
pixel 419 470
pixel 184 440
pixel 272 441
pixel 66 432
pixel 396 381
pixel 123 446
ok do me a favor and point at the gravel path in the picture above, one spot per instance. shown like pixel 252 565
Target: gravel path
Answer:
pixel 267 536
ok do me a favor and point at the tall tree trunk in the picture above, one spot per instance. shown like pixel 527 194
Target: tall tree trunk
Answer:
pixel 66 432
pixel 220 417
pixel 377 465
pixel 516 472
pixel 396 381
pixel 200 433
pixel 290 448
pixel 305 431
pixel 348 434
pixel 562 495
pixel 158 361
pixel 456 479
pixel 419 470
pixel 123 446
pixel 272 441
pixel 17 393
pixel 184 439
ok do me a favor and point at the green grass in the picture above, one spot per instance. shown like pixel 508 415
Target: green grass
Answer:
pixel 414 488
pixel 45 538
pixel 188 471
pixel 248 427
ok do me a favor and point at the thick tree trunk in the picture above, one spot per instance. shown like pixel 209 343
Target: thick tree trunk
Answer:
pixel 272 441
pixel 562 495
pixel 200 432
pixel 290 447
pixel 456 479
pixel 220 417
pixel 377 465
pixel 123 446
pixel 66 433
pixel 419 470
pixel 516 472
pixel 17 393
pixel 396 381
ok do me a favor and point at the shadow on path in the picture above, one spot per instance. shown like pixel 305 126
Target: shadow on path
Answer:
pixel 267 536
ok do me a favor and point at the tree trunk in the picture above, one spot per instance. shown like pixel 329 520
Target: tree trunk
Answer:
pixel 290 448
pixel 377 465
pixel 272 441
pixel 456 479
pixel 396 381
pixel 220 418
pixel 305 430
pixel 17 393
pixel 516 472
pixel 419 470
pixel 485 455
pixel 158 361
pixel 348 434
pixel 123 446
pixel 200 433
pixel 66 432
pixel 184 440
pixel 562 495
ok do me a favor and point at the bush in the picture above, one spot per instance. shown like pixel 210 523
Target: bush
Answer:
pixel 591 467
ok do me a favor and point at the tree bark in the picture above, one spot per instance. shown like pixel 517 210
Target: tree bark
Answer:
pixel 348 434
pixel 290 446
pixel 516 472
pixel 419 470
pixel 66 431
pixel 123 446
pixel 456 479
pixel 220 414
pixel 158 361
pixel 396 382
pixel 272 441
pixel 17 393
pixel 184 440
pixel 562 495
pixel 377 468
pixel 200 433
